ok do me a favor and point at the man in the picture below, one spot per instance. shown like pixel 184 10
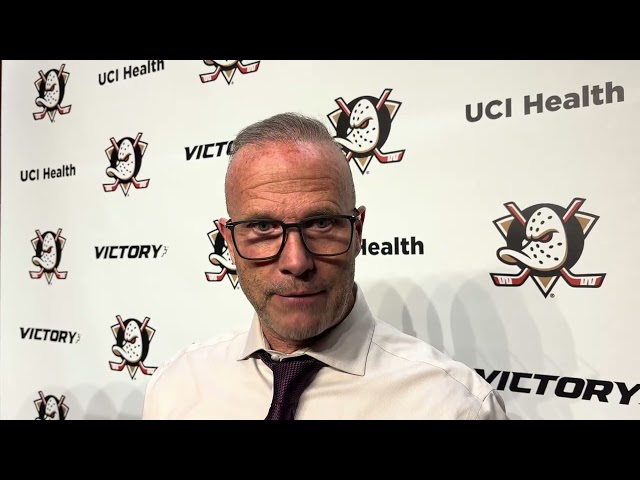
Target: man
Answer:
pixel 294 234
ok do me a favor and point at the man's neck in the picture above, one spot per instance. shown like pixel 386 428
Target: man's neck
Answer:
pixel 286 346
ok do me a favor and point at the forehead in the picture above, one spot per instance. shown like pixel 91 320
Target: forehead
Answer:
pixel 288 180
pixel 285 155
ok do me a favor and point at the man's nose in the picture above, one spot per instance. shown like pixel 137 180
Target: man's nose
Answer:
pixel 295 258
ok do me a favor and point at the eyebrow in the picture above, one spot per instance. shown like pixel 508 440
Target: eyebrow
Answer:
pixel 321 211
pixel 310 213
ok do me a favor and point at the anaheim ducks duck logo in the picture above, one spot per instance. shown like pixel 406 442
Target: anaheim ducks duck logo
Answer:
pixel 545 241
pixel 50 407
pixel 132 345
pixel 228 69
pixel 221 259
pixel 363 126
pixel 125 162
pixel 51 87
pixel 48 247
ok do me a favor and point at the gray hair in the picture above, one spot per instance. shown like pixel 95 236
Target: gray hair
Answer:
pixel 283 127
pixel 286 127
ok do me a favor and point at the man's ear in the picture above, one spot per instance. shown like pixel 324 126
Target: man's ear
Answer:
pixel 226 234
pixel 359 224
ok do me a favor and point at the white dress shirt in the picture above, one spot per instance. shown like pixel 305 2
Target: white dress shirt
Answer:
pixel 373 371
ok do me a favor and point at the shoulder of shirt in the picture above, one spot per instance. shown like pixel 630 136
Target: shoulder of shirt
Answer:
pixel 393 341
pixel 186 352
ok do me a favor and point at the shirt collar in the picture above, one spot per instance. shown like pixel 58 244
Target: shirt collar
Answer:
pixel 345 347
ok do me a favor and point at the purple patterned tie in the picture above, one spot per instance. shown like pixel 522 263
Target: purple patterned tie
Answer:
pixel 290 377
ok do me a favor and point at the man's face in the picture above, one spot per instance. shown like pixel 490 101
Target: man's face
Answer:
pixel 296 295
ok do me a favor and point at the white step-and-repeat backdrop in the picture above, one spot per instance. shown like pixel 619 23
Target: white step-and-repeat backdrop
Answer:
pixel 502 220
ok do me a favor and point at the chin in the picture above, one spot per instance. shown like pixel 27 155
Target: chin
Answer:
pixel 300 326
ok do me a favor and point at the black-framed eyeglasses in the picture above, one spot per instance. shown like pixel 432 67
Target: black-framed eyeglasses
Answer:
pixel 264 239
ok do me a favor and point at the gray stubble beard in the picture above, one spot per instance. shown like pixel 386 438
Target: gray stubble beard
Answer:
pixel 299 333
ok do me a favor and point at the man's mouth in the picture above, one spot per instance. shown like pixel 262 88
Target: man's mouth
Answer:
pixel 300 294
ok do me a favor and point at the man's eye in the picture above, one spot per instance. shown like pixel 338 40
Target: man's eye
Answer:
pixel 261 227
pixel 320 223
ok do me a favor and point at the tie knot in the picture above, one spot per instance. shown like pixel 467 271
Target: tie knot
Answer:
pixel 290 377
